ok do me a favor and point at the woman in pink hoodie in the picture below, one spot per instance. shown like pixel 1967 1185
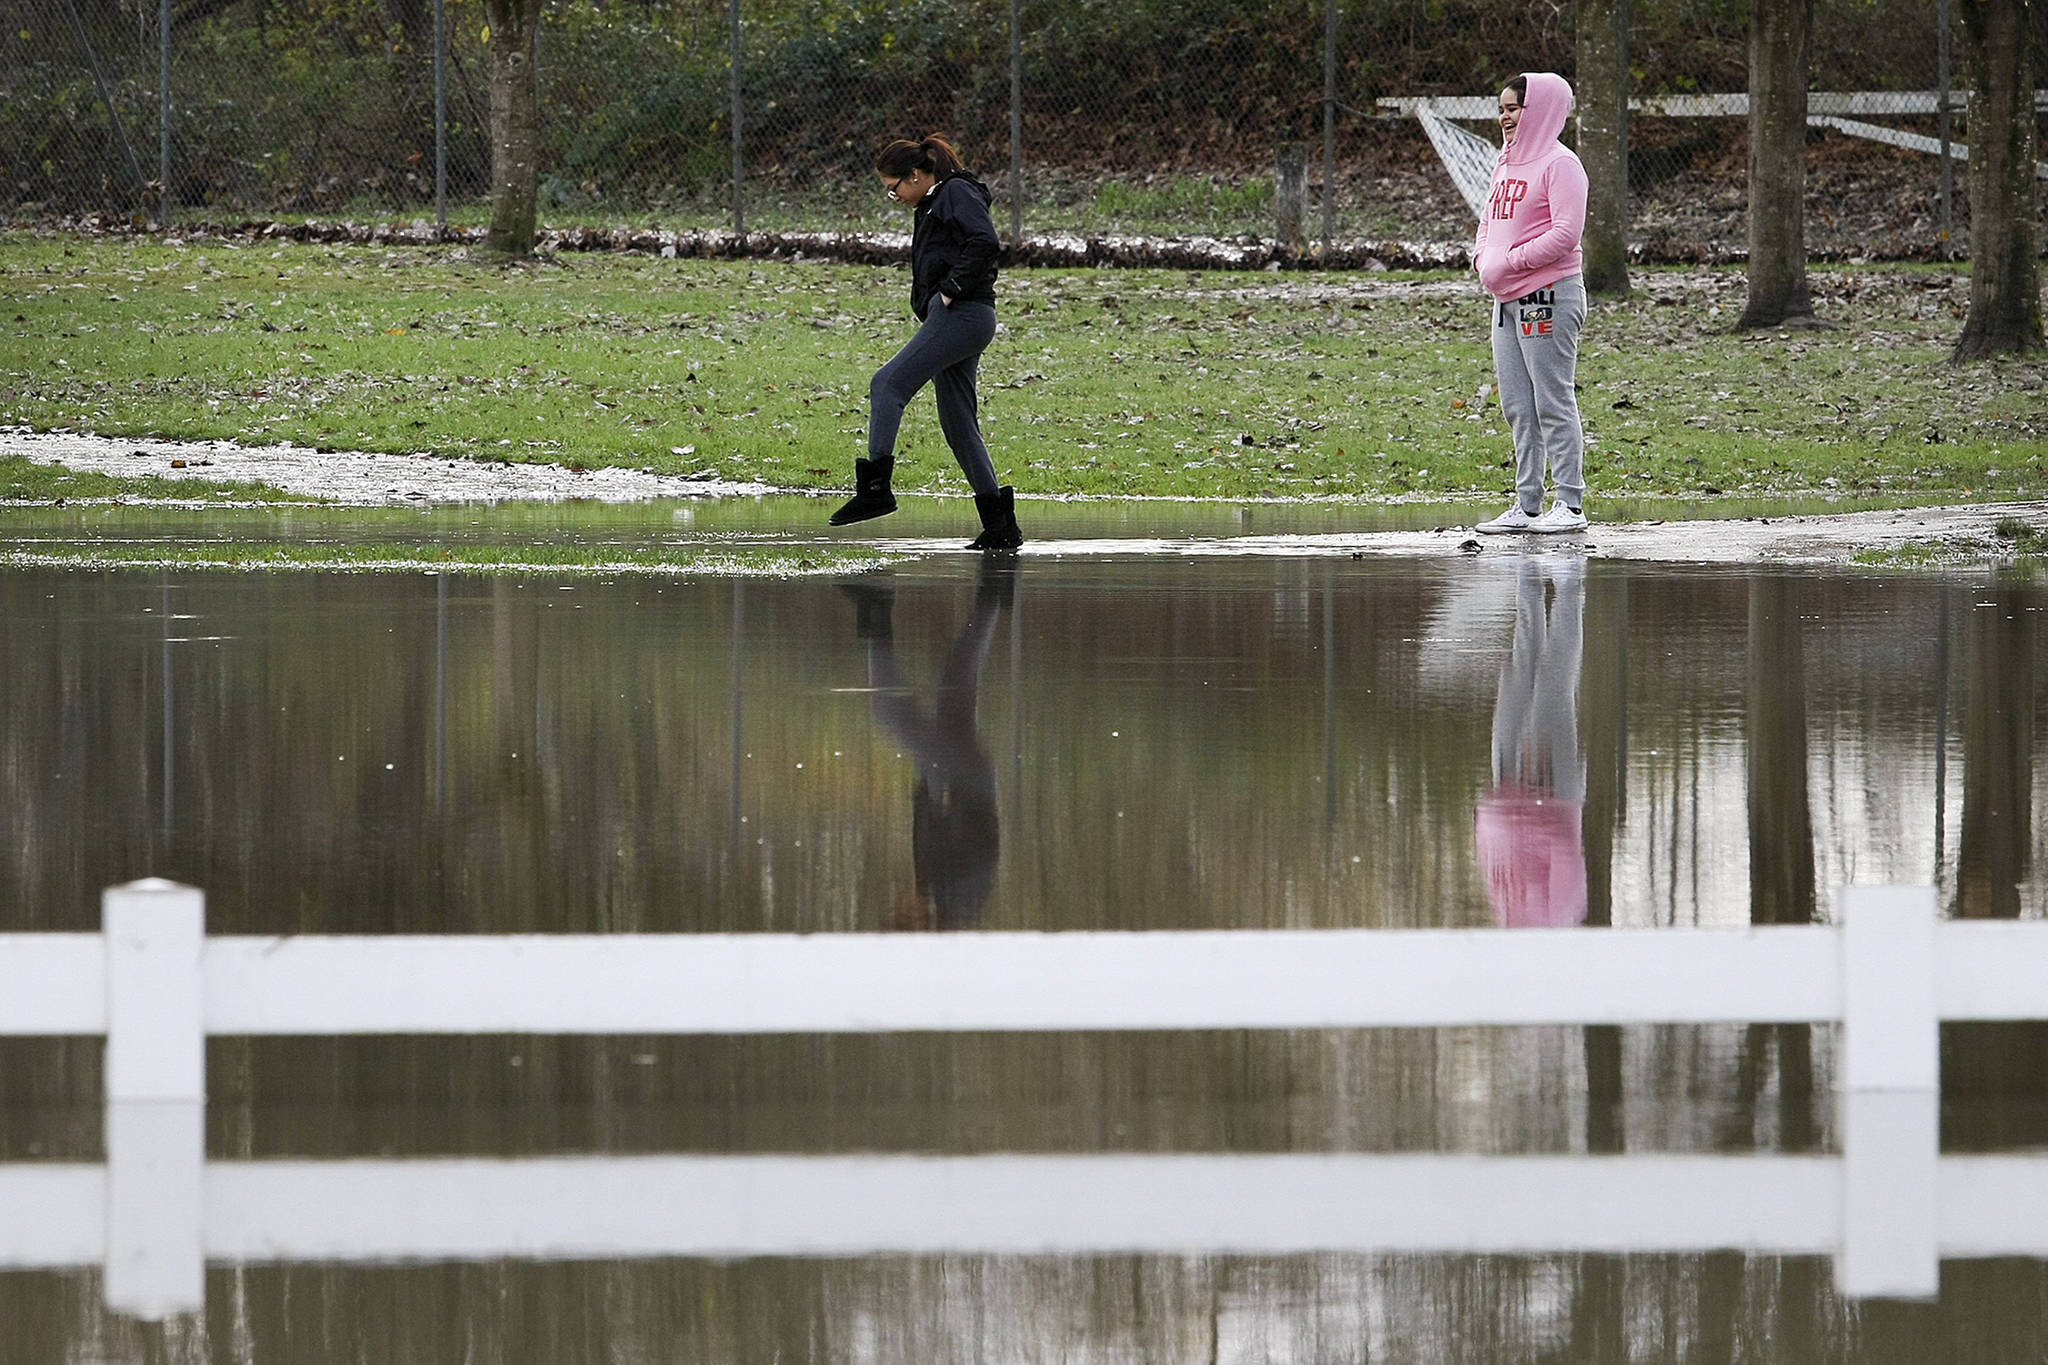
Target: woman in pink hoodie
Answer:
pixel 1527 255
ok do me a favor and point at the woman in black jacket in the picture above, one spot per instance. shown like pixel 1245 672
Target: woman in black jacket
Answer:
pixel 952 290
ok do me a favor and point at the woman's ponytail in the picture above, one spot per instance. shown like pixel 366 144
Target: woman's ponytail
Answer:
pixel 944 160
pixel 933 153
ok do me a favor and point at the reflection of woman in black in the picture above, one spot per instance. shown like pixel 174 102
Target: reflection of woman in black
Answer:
pixel 953 832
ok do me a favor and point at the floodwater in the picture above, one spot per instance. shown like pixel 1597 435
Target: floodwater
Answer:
pixel 1095 743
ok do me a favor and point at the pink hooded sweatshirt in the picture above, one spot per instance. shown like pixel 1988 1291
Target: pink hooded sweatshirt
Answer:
pixel 1536 206
pixel 1533 854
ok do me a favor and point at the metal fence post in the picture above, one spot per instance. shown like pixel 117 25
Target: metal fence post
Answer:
pixel 99 84
pixel 1329 125
pixel 739 209
pixel 1948 178
pixel 163 108
pixel 1016 123
pixel 440 119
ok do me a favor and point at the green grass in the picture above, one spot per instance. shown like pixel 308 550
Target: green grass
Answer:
pixel 1213 203
pixel 1169 383
pixel 24 480
pixel 2014 545
pixel 442 557
pixel 548 539
pixel 2021 538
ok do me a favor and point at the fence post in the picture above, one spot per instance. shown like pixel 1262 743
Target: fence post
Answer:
pixel 440 120
pixel 1330 8
pixel 163 108
pixel 156 1167
pixel 1891 1034
pixel 1891 1172
pixel 156 1093
pixel 739 165
pixel 114 120
pixel 1948 177
pixel 1016 124
pixel 156 1033
pixel 1890 1085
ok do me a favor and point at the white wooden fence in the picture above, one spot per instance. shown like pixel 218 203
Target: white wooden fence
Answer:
pixel 1889 1207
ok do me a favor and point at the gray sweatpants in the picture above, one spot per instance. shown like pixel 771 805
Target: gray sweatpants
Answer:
pixel 1535 357
pixel 945 353
pixel 1536 710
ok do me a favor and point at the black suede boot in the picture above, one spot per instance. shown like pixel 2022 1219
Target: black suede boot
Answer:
pixel 871 496
pixel 998 520
pixel 873 608
pixel 995 587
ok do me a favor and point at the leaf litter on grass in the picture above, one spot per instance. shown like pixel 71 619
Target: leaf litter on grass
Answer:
pixel 1161 382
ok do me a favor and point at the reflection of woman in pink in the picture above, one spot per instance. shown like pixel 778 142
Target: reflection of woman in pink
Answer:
pixel 1527 826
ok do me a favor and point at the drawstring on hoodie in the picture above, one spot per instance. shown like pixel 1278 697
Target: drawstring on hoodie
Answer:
pixel 1535 205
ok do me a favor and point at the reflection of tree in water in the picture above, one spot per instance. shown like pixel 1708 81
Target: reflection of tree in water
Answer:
pixel 1781 870
pixel 1998 1067
pixel 955 839
pixel 1781 876
pixel 1996 852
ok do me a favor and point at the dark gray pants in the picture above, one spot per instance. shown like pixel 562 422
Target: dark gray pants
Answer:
pixel 945 353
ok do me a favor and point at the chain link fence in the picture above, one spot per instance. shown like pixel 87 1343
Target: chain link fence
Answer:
pixel 1156 118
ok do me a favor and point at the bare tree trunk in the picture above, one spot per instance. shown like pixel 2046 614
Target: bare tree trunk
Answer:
pixel 1290 194
pixel 1603 141
pixel 515 125
pixel 1780 41
pixel 2005 271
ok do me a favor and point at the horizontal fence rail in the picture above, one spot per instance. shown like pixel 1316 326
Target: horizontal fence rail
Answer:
pixel 1890 1208
pixel 576 1208
pixel 156 987
pixel 873 983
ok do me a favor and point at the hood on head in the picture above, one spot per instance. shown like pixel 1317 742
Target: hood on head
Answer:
pixel 1544 111
pixel 973 181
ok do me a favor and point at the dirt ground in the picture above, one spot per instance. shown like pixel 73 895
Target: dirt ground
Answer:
pixel 371 480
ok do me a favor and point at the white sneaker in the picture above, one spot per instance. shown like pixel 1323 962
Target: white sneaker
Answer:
pixel 1558 518
pixel 1514 519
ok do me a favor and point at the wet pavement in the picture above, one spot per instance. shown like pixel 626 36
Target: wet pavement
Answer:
pixel 1087 738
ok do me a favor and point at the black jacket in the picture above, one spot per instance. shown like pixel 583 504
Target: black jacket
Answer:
pixel 953 247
